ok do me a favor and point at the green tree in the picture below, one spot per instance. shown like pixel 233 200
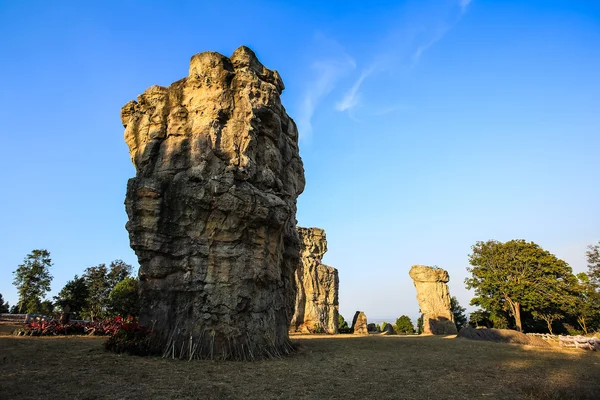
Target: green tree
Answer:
pixel 404 326
pixel 32 280
pixel 593 259
pixel 47 308
pixel 100 281
pixel 586 307
pixel 515 275
pixel 4 307
pixel 480 318
pixel 460 318
pixel 342 324
pixel 124 299
pixel 420 324
pixel 74 294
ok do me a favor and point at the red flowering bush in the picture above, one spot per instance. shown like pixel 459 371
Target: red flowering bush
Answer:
pixel 125 334
pixel 133 339
pixel 55 328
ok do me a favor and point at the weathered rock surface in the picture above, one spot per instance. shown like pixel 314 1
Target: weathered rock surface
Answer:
pixel 212 208
pixel 434 299
pixel 372 328
pixel 388 329
pixel 317 286
pixel 359 324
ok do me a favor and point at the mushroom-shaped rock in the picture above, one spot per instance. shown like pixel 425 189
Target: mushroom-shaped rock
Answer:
pixel 434 299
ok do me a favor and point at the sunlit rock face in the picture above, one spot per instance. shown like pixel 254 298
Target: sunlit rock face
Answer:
pixel 317 286
pixel 360 324
pixel 212 208
pixel 434 299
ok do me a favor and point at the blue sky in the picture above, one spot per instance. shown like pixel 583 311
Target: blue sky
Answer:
pixel 425 126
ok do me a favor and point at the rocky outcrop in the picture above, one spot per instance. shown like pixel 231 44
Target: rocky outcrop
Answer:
pixel 434 299
pixel 359 324
pixel 388 329
pixel 372 328
pixel 212 208
pixel 317 286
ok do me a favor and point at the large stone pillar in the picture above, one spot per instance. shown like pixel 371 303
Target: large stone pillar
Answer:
pixel 317 286
pixel 212 208
pixel 434 299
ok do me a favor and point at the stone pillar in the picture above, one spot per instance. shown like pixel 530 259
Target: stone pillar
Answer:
pixel 434 299
pixel 317 286
pixel 212 209
pixel 359 324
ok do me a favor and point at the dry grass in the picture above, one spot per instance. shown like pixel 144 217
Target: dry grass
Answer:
pixel 326 367
pixel 7 328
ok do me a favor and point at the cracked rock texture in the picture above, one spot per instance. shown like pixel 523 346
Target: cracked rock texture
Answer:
pixel 317 286
pixel 434 299
pixel 212 208
pixel 359 324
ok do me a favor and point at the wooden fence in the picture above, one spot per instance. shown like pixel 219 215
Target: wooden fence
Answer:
pixel 545 336
pixel 23 318
pixel 579 342
pixel 14 318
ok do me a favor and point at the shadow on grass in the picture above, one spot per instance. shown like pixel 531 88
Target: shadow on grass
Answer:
pixel 332 367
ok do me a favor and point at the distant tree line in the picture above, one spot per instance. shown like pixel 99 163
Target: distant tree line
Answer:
pixel 100 292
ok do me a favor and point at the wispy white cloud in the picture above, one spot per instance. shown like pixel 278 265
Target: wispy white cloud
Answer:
pixel 463 5
pixel 431 39
pixel 425 27
pixel 352 97
pixel 325 73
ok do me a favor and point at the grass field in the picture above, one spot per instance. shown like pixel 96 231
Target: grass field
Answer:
pixel 326 367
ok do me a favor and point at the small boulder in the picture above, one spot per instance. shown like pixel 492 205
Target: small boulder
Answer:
pixel 388 329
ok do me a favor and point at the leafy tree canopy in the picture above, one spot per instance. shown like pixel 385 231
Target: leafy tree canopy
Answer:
pixel 586 307
pixel 100 281
pixel 124 299
pixel 460 318
pixel 517 275
pixel 342 324
pixel 32 280
pixel 593 259
pixel 404 326
pixel 74 294
pixel 4 307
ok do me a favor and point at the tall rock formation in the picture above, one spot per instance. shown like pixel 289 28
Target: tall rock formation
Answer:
pixel 434 299
pixel 359 324
pixel 212 208
pixel 317 286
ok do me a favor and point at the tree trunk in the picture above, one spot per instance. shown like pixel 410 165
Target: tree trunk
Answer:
pixel 581 321
pixel 549 323
pixel 517 312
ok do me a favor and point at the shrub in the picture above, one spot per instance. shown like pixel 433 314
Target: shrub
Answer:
pixel 404 326
pixel 131 338
pixel 53 327
pixel 343 325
